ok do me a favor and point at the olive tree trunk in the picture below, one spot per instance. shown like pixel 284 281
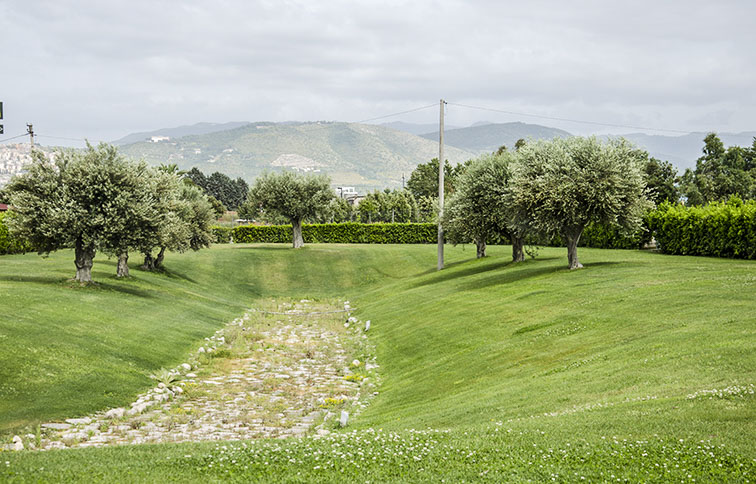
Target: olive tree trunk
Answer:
pixel 573 237
pixel 160 257
pixel 149 262
pixel 296 231
pixel 481 244
pixel 518 254
pixel 84 259
pixel 123 265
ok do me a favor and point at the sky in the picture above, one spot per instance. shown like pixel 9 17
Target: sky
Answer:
pixel 101 70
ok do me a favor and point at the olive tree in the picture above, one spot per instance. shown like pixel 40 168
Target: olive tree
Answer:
pixel 292 195
pixel 81 200
pixel 560 186
pixel 478 209
pixel 184 219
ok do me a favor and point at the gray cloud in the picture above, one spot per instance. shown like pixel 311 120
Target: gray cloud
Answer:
pixel 103 69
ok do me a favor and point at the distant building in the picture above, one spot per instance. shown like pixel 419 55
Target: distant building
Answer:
pixel 350 195
pixel 346 192
pixel 158 139
pixel 3 207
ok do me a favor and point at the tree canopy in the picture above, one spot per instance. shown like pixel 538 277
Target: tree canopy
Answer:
pixel 388 206
pixel 85 200
pixel 423 182
pixel 720 173
pixel 231 193
pixel 292 195
pixel 560 186
pixel 97 200
pixel 478 211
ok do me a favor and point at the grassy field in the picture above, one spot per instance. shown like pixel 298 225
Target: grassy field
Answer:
pixel 521 372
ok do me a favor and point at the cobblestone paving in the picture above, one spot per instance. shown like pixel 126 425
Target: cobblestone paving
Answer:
pixel 273 373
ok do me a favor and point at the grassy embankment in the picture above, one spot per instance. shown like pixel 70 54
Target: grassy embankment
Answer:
pixel 535 370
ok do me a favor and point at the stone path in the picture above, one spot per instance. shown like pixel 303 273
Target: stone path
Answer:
pixel 284 372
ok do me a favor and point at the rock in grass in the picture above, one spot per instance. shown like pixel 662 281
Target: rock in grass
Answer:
pixel 56 426
pixel 79 421
pixel 115 413
pixel 344 418
pixel 18 444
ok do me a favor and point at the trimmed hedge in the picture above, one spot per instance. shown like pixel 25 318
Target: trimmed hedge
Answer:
pixel 600 236
pixel 222 235
pixel 718 229
pixel 595 235
pixel 8 244
pixel 343 233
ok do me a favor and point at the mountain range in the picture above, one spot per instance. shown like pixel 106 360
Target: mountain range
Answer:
pixel 365 156
pixel 360 155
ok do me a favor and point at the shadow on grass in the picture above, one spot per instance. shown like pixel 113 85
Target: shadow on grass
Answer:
pixel 66 282
pixel 477 267
pixel 37 279
pixel 267 246
pixel 511 276
pixel 177 275
pixel 132 291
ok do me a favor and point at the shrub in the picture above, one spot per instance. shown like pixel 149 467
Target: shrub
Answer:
pixel 602 236
pixel 717 229
pixel 343 233
pixel 222 235
pixel 8 243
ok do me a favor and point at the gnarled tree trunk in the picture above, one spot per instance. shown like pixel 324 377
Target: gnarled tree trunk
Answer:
pixel 481 245
pixel 160 257
pixel 573 237
pixel 296 229
pixel 123 265
pixel 149 262
pixel 84 259
pixel 518 254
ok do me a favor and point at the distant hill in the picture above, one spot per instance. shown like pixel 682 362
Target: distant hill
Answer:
pixel 360 155
pixel 178 132
pixel 489 137
pixel 683 151
pixel 413 128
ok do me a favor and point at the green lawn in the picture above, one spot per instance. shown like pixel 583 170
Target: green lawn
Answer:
pixel 533 370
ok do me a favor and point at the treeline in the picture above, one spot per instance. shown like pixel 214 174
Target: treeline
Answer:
pixel 97 200
pixel 231 194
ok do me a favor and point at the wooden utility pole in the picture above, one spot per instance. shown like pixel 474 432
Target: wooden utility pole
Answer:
pixel 441 186
pixel 30 130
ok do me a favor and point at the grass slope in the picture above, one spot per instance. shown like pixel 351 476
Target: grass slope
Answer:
pixel 535 371
pixel 67 351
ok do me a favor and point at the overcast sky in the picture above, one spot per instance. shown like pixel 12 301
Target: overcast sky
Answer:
pixel 103 69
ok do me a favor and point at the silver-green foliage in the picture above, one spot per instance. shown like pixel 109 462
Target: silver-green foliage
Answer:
pixel 291 195
pixel 81 199
pixel 477 211
pixel 559 186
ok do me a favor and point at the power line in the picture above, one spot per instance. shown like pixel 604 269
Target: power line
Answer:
pixel 553 118
pixel 380 117
pixel 59 137
pixel 13 137
pixel 396 114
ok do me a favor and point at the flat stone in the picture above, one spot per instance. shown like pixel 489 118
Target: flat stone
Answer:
pixel 115 413
pixel 79 421
pixel 56 426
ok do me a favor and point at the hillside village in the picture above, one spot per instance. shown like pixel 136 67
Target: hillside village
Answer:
pixel 12 159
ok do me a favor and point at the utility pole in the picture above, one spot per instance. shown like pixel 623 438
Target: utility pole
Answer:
pixel 441 186
pixel 30 131
pixel 402 181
